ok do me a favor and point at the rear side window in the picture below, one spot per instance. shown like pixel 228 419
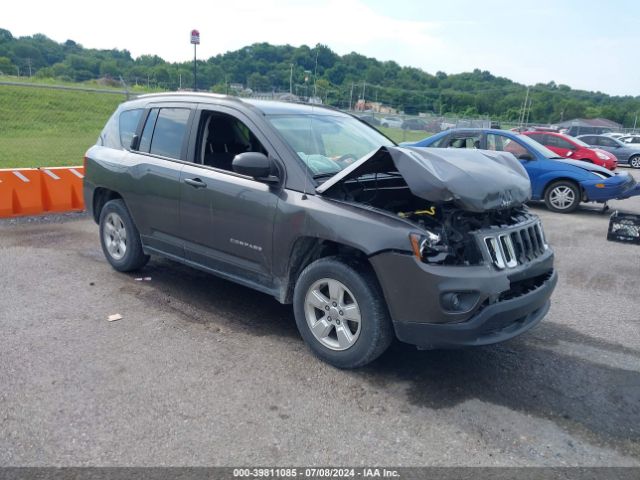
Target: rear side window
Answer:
pixel 145 140
pixel 128 121
pixel 169 132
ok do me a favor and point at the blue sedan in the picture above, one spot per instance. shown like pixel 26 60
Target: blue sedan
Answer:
pixel 561 183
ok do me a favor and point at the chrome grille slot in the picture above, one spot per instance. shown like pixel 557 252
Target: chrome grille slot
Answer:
pixel 514 246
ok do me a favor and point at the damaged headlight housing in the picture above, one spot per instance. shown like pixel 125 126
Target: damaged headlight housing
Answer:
pixel 428 247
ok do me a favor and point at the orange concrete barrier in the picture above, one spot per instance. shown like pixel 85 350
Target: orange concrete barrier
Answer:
pixel 34 191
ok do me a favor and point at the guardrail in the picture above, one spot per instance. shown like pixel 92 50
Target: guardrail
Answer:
pixel 36 191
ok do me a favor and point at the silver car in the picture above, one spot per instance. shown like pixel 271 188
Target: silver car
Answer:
pixel 628 153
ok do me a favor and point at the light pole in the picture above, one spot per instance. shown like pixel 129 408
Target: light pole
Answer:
pixel 195 40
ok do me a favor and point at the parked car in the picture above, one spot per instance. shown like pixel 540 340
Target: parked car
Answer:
pixel 631 139
pixel 574 148
pixel 613 134
pixel 366 239
pixel 626 153
pixel 560 182
pixel 414 124
pixel 368 118
pixel 391 122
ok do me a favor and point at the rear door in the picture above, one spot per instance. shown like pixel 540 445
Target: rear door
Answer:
pixel 226 219
pixel 155 175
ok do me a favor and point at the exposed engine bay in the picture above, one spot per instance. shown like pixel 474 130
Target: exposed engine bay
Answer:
pixel 447 228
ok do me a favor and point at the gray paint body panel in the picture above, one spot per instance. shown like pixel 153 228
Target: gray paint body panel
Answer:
pixel 250 232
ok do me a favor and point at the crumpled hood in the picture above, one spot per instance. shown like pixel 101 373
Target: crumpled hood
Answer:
pixel 474 180
pixel 584 165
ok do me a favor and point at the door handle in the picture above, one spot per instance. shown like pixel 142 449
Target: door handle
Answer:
pixel 195 182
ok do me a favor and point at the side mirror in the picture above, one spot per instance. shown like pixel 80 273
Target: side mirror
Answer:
pixel 135 142
pixel 525 156
pixel 256 165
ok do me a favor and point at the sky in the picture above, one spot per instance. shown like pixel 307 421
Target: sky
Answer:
pixel 587 44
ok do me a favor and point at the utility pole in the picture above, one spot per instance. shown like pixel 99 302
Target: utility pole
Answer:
pixel 364 87
pixel 528 112
pixel 524 108
pixel 180 81
pixel 315 76
pixel 291 79
pixel 29 65
pixel 351 97
pixel 635 121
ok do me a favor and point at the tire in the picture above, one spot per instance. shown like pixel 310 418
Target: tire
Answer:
pixel 635 161
pixel 314 304
pixel 120 238
pixel 562 196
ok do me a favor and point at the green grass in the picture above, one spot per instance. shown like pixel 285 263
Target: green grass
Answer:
pixel 399 136
pixel 45 127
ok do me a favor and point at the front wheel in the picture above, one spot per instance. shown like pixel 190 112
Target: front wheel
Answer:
pixel 635 161
pixel 341 313
pixel 562 197
pixel 120 239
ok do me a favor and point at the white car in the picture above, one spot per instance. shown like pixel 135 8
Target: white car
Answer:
pixel 392 122
pixel 614 134
pixel 632 139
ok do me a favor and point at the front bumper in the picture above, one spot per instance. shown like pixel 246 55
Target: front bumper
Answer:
pixel 505 303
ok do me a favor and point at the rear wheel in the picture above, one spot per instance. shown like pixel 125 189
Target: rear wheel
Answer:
pixel 120 239
pixel 562 196
pixel 635 161
pixel 341 313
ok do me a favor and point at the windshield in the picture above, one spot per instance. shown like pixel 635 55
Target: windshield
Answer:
pixel 328 143
pixel 533 145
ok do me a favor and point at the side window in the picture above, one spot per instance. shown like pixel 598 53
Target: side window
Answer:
pixel 562 143
pixel 169 132
pixel 222 137
pixel 464 141
pixel 150 124
pixel 542 139
pixel 128 123
pixel 589 140
pixel 500 143
pixel 443 142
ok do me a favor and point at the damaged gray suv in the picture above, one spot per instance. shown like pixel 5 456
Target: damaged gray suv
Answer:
pixel 367 240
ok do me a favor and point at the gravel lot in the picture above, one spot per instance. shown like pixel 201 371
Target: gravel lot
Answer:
pixel 203 372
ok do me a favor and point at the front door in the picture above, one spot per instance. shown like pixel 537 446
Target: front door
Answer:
pixel 227 219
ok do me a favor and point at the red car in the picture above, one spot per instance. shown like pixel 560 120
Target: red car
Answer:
pixel 570 147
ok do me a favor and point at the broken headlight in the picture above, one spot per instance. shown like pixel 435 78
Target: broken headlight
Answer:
pixel 429 247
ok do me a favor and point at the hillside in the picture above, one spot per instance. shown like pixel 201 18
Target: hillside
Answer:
pixel 340 79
